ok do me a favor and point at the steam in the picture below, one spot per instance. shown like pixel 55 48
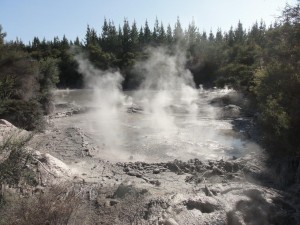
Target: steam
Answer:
pixel 167 112
pixel 167 88
pixel 108 100
pixel 166 85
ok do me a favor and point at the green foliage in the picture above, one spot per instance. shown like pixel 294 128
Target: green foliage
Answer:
pixel 2 36
pixel 24 114
pixel 276 84
pixel 48 73
pixel 48 78
pixel 12 168
pixel 7 85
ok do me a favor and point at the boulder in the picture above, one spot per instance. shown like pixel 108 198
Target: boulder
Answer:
pixel 204 204
pixel 51 165
pixel 231 111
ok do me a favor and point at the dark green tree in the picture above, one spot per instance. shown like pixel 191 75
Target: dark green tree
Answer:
pixel 134 38
pixel 169 35
pixel 162 35
pixel 178 32
pixel 2 36
pixel 147 34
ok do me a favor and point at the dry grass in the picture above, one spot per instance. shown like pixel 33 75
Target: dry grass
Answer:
pixel 55 206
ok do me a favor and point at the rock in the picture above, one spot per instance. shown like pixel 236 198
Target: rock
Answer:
pixel 113 202
pixel 172 166
pixel 123 190
pixel 169 221
pixel 231 111
pixel 134 174
pixel 231 167
pixel 52 165
pixel 155 182
pixel 217 171
pixel 235 218
pixel 204 204
pixel 156 171
pixel 208 192
pixel 134 109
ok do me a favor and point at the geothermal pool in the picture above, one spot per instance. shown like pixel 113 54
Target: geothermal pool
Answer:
pixel 154 126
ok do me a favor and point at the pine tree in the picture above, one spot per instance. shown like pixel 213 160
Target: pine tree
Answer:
pixel 2 36
pixel 77 42
pixel 239 33
pixel 91 37
pixel 36 43
pixel 192 33
pixel 141 36
pixel 169 35
pixel 156 31
pixel 147 34
pixel 64 44
pixel 178 32
pixel 211 37
pixel 219 36
pixel 126 36
pixel 134 37
pixel 162 34
pixel 230 37
pixel 104 36
pixel 204 36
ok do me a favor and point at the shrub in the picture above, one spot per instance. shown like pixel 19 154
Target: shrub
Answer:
pixel 55 206
pixel 24 114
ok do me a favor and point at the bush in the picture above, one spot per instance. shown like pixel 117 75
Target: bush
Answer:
pixel 24 114
pixel 55 206
pixel 12 166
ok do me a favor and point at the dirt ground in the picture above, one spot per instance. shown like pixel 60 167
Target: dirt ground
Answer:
pixel 234 191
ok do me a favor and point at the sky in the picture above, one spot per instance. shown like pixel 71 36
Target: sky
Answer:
pixel 26 19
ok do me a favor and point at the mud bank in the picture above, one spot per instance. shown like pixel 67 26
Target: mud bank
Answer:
pixel 239 186
pixel 232 191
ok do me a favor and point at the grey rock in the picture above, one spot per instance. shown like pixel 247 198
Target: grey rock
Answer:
pixel 156 171
pixel 204 204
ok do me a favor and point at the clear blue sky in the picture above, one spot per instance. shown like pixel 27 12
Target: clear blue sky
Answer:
pixel 48 18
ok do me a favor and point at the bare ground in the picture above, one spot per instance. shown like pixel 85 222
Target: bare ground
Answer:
pixel 236 191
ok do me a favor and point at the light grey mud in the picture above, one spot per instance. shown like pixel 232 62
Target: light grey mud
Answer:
pixel 233 191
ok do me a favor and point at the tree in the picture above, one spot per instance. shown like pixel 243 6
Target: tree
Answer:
pixel 48 78
pixel 134 38
pixel 156 31
pixel 219 36
pixel 211 36
pixel 147 34
pixel 191 34
pixel 178 32
pixel 162 34
pixel 77 42
pixel 64 44
pixel 239 33
pixel 91 37
pixel 2 36
pixel 230 37
pixel 169 35
pixel 276 84
pixel 126 37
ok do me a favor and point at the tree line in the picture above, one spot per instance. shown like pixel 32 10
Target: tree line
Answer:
pixel 262 62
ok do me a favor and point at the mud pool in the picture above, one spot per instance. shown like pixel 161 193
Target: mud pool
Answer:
pixel 129 131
